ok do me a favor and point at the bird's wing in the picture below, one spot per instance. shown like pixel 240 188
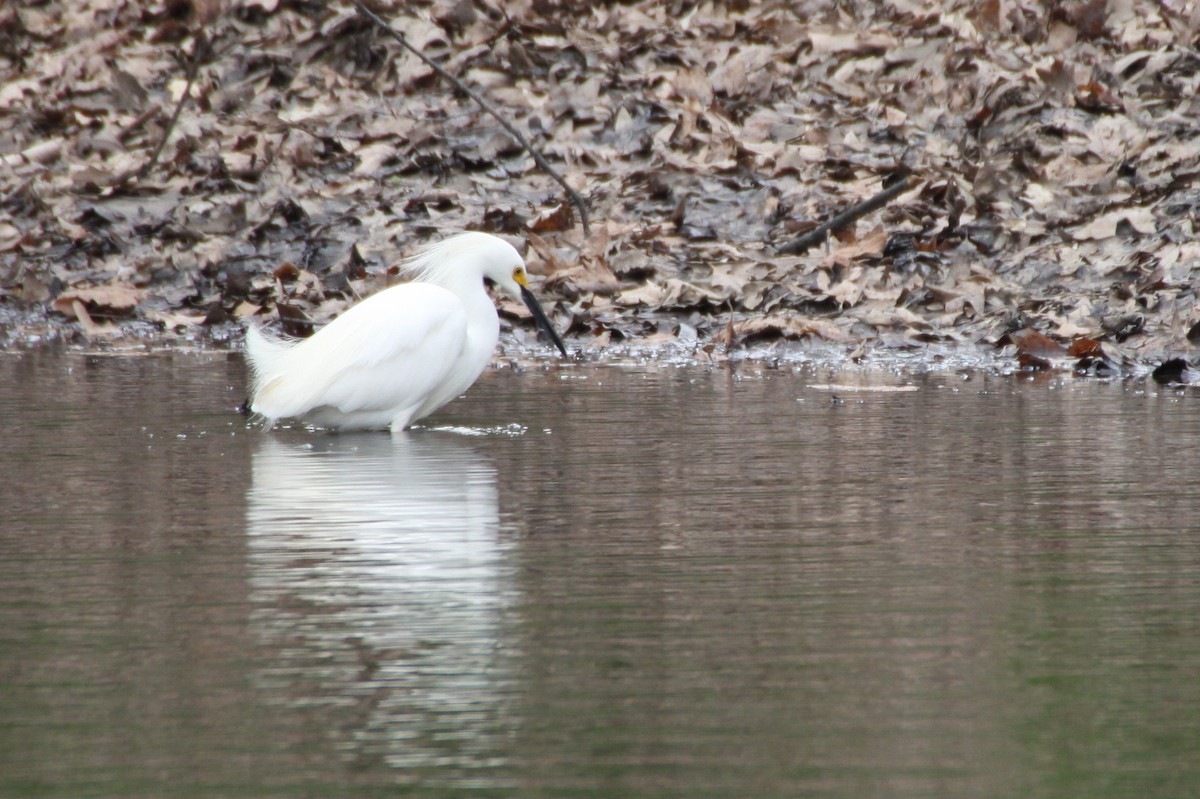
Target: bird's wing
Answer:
pixel 391 350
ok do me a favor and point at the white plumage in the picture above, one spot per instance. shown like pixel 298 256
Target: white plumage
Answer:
pixel 398 355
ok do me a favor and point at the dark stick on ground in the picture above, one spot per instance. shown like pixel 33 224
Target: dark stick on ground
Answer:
pixel 483 103
pixel 801 244
pixel 201 50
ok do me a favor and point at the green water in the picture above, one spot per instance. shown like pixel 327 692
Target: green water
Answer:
pixel 599 582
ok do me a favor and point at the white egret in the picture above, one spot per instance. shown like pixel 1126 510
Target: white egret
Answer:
pixel 400 354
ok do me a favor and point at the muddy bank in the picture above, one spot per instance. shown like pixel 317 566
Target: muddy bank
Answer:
pixel 1051 148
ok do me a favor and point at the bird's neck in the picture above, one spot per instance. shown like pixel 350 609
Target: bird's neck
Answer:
pixel 473 295
pixel 483 323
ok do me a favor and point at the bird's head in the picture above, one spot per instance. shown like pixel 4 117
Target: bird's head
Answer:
pixel 516 285
pixel 496 260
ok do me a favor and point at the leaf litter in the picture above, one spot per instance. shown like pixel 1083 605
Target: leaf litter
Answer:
pixel 1052 152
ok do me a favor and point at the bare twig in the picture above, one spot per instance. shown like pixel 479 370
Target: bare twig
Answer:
pixel 129 130
pixel 817 235
pixel 201 50
pixel 483 103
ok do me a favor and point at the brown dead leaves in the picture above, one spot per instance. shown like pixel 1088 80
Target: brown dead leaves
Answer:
pixel 769 328
pixel 97 307
pixel 1051 150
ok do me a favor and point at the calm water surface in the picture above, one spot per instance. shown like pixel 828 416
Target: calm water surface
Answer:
pixel 599 582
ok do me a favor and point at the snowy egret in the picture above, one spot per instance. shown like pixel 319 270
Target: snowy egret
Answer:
pixel 401 354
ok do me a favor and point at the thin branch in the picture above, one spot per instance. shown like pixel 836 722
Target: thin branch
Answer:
pixel 483 103
pixel 817 235
pixel 201 50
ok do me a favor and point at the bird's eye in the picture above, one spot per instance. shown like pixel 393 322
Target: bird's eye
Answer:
pixel 518 273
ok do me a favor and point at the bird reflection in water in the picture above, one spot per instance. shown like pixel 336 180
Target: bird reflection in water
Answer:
pixel 380 581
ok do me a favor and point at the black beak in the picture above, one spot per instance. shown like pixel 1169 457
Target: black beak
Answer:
pixel 539 316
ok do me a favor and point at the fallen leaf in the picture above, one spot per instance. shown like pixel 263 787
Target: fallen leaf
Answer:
pixel 90 328
pixel 171 319
pixel 1105 226
pixel 871 245
pixel 114 299
pixel 556 219
pixel 787 327
pixel 1031 343
pixel 1033 362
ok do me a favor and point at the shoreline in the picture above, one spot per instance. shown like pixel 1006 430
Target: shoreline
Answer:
pixel 43 335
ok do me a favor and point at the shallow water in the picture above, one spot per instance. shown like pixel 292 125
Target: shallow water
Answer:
pixel 600 582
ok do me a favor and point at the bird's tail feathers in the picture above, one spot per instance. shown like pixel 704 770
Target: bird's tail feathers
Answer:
pixel 267 355
pixel 265 351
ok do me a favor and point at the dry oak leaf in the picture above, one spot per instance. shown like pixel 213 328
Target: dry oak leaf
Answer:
pixel 172 320
pixel 553 220
pixel 115 299
pixel 825 41
pixel 870 245
pixel 672 293
pixel 789 327
pixel 1030 342
pixel 1104 226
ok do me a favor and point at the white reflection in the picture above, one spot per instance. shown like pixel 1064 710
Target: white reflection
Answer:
pixel 379 579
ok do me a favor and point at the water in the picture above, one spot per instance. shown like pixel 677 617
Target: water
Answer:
pixel 599 582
